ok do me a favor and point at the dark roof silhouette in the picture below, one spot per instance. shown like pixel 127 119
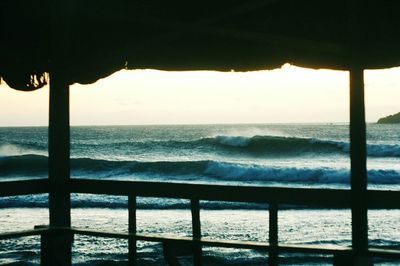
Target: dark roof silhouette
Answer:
pixel 99 37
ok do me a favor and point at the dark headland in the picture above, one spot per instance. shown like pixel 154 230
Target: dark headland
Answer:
pixel 391 119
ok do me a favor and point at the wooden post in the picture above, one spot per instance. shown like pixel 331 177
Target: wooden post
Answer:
pixel 273 234
pixel 358 163
pixel 358 153
pixel 58 249
pixel 132 229
pixel 196 229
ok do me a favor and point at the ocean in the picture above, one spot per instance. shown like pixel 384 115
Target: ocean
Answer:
pixel 284 155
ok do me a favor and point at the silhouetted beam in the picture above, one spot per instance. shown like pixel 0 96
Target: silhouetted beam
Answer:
pixel 311 249
pixel 387 253
pixel 273 234
pixel 196 231
pixel 358 156
pixel 296 196
pixel 214 242
pixel 10 235
pixel 59 151
pixel 56 248
pixel 336 198
pixel 379 199
pixel 132 229
pixel 358 153
pixel 24 187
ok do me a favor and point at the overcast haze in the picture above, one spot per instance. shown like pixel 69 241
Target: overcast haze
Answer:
pixel 287 95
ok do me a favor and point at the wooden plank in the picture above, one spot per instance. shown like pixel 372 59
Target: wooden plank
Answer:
pixel 384 253
pixel 132 229
pixel 382 199
pixel 296 196
pixel 316 249
pixel 374 198
pixel 24 187
pixel 378 199
pixel 17 234
pixel 327 198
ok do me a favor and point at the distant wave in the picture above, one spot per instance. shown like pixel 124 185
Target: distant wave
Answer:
pixel 259 145
pixel 293 145
pixel 228 145
pixel 255 173
pixel 273 145
pixel 204 171
pixel 375 150
pixel 32 164
pixel 280 145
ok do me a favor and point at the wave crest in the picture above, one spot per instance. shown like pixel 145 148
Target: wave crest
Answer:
pixel 204 171
pixel 276 145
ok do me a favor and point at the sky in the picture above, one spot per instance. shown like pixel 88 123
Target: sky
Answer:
pixel 137 97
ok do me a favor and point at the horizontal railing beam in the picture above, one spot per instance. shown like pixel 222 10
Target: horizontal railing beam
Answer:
pixel 212 242
pixel 17 234
pixel 310 197
pixel 24 187
pixel 329 198
pixel 253 194
pixel 310 249
pixel 382 199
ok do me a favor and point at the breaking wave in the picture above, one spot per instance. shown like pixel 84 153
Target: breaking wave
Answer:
pixel 287 145
pixel 259 145
pixel 203 171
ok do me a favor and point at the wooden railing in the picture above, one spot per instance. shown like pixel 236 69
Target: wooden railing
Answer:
pixel 273 196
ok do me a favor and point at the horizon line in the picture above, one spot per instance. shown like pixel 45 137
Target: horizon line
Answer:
pixel 195 124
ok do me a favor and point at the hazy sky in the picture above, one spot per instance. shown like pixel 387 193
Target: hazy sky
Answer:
pixel 289 94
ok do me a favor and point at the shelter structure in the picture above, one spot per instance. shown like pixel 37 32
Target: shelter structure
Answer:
pixel 62 42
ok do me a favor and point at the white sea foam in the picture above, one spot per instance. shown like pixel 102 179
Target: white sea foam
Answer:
pixel 16 150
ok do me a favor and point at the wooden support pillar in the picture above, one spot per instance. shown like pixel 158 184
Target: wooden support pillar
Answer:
pixel 59 152
pixel 358 146
pixel 132 229
pixel 57 250
pixel 273 234
pixel 358 157
pixel 196 229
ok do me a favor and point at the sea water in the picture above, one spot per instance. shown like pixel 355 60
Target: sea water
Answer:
pixel 284 155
